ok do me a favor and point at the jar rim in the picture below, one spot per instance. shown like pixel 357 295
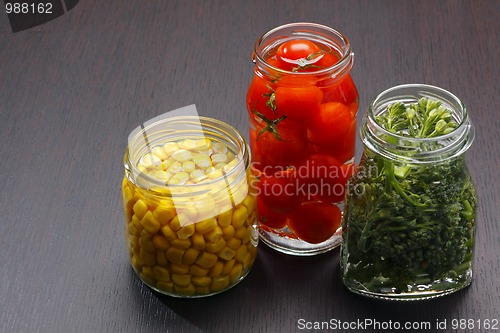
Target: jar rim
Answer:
pixel 457 141
pixel 206 124
pixel 298 30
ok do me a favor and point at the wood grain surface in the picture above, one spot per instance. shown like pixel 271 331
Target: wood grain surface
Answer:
pixel 72 89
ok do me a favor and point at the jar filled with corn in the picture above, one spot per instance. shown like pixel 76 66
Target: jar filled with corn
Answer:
pixel 189 206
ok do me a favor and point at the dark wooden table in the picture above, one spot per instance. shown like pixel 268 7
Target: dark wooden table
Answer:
pixel 72 89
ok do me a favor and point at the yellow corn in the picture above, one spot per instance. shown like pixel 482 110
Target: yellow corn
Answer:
pixel 165 164
pixel 137 224
pixel 140 208
pixel 146 245
pixel 206 225
pixel 213 235
pixel 242 233
pixel 136 263
pixel 203 161
pixel 182 155
pixel 235 273
pixel 175 223
pixel 150 223
pixel 227 253
pixel 240 216
pixel 179 268
pixel 218 158
pixel 225 217
pixel 219 147
pixel 145 234
pixel 164 213
pixel 187 144
pixel 161 273
pixel 174 168
pixel 198 270
pixel 148 258
pixel 165 286
pixel 168 232
pixel 190 256
pixel 186 231
pixel 147 274
pixel 128 201
pixel 161 259
pixel 170 147
pixel 182 280
pixel 201 281
pixel 187 290
pixel 206 260
pixel 234 243
pixel 198 241
pixel 228 232
pixel 213 173
pixel 175 255
pixel 197 175
pixel 247 262
pixel 188 166
pixel 217 246
pixel 219 283
pixel 160 242
pixel 250 202
pixel 202 290
pixel 228 266
pixel 241 253
pixel 182 244
pixel 216 269
pixel 203 144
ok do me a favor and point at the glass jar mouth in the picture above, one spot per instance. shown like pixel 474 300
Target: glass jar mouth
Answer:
pixel 416 150
pixel 145 137
pixel 311 31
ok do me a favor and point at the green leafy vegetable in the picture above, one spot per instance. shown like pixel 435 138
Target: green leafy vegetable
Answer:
pixel 409 227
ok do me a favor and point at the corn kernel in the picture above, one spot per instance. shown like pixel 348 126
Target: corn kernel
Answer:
pixel 162 175
pixel 140 208
pixel 188 166
pixel 213 235
pixel 242 233
pixel 225 217
pixel 175 255
pixel 203 144
pixel 240 216
pixel 150 223
pixel 217 246
pixel 165 286
pixel 161 259
pixel 218 158
pixel 182 155
pixel 228 266
pixel 182 244
pixel 168 232
pixel 174 168
pixel 228 232
pixel 149 161
pixel 201 281
pixel 186 231
pixel 148 258
pixel 234 243
pixel 164 213
pixel 247 262
pixel 136 263
pixel 159 152
pixel 227 253
pixel 187 144
pixel 146 245
pixel 147 273
pixel 198 241
pixel 219 283
pixel 206 260
pixel 146 234
pixel 241 253
pixel 219 147
pixel 161 273
pixel 250 202
pixel 235 273
pixel 213 173
pixel 216 269
pixel 180 178
pixel 182 280
pixel 197 175
pixel 137 223
pixel 205 226
pixel 203 161
pixel 185 290
pixel 170 147
pixel 175 223
pixel 128 201
pixel 179 268
pixel 202 290
pixel 160 242
pixel 165 164
pixel 198 270
pixel 190 256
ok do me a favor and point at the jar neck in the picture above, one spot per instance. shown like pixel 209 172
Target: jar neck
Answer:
pixel 410 149
pixel 330 39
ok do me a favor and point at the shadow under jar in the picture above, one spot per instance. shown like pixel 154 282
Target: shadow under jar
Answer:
pixel 302 105
pixel 410 210
pixel 190 209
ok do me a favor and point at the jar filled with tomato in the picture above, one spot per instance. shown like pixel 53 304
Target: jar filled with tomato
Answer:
pixel 302 105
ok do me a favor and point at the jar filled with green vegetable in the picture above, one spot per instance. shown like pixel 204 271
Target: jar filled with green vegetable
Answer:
pixel 410 209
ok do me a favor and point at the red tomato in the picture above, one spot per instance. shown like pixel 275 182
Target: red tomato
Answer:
pixel 327 60
pixel 258 95
pixel 343 91
pixel 279 191
pixel 297 52
pixel 330 124
pixel 315 222
pixel 345 149
pixel 270 218
pixel 323 177
pixel 298 103
pixel 276 150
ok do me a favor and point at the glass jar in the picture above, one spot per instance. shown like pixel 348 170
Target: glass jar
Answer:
pixel 302 105
pixel 189 204
pixel 410 208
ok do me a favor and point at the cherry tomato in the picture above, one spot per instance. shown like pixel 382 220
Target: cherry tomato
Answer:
pixel 298 103
pixel 315 222
pixel 343 91
pixel 258 95
pixel 269 218
pixel 330 124
pixel 297 52
pixel 279 191
pixel 327 60
pixel 277 147
pixel 345 149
